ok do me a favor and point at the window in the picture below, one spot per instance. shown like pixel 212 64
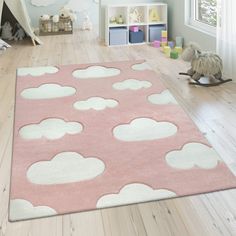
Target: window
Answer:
pixel 203 15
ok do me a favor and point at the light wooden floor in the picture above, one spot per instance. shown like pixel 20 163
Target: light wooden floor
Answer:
pixel 212 109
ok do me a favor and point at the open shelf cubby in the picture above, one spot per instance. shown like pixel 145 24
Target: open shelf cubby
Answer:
pixel 146 16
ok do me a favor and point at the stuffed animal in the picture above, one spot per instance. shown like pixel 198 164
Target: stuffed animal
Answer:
pixel 20 33
pixel 7 31
pixel 113 20
pixel 55 18
pixel 55 25
pixel 87 24
pixel 45 17
pixel 203 64
pixel 66 12
pixel 45 23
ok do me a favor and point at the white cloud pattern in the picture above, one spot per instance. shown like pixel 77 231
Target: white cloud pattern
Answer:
pixel 193 155
pixel 95 72
pixel 162 98
pixel 51 128
pixel 134 193
pixel 95 103
pixel 144 129
pixel 48 91
pixel 141 67
pixel 37 71
pixel 132 84
pixel 21 209
pixel 65 167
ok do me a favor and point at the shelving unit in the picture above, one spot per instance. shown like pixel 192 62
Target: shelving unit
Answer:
pixel 145 16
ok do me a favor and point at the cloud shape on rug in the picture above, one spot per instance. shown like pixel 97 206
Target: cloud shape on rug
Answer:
pixel 134 193
pixel 21 209
pixel 162 98
pixel 95 72
pixel 141 67
pixel 37 71
pixel 65 167
pixel 95 103
pixel 48 91
pixel 132 84
pixel 193 155
pixel 42 3
pixel 51 128
pixel 144 129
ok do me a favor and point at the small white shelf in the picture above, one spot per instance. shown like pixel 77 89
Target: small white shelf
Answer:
pixel 128 12
pixel 117 25
pixel 157 23
pixel 137 43
pixel 137 24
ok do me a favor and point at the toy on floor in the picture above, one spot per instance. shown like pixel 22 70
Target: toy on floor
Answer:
pixel 20 33
pixel 203 64
pixel 7 31
pixel 174 54
pixel 178 49
pixel 87 24
pixel 164 38
pixel 167 50
pixel 156 44
pixel 171 44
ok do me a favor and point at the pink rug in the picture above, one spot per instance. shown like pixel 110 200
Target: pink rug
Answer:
pixel 101 135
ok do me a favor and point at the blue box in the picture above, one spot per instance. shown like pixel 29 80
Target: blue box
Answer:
pixel 118 36
pixel 155 32
pixel 136 37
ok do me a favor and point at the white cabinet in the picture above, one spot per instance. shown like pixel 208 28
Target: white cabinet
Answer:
pixel 121 18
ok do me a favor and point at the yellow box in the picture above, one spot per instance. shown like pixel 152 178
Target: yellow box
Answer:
pixel 164 34
pixel 167 50
pixel 163 44
pixel 179 49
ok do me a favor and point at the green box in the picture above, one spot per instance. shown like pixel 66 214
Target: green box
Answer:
pixel 174 55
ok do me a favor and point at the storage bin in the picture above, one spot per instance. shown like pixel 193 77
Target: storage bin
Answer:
pixel 118 36
pixel 155 32
pixel 136 37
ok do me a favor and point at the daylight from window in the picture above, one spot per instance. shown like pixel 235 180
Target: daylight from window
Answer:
pixel 206 11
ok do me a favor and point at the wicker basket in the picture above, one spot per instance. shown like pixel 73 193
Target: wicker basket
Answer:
pixel 48 27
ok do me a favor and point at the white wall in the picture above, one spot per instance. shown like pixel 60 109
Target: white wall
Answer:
pixel 107 2
pixel 177 26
